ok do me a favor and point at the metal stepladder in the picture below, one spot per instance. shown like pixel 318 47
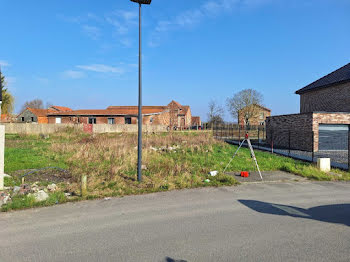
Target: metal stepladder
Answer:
pixel 246 138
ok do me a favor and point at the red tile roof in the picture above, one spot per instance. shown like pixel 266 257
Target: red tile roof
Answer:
pixel 133 110
pixel 39 112
pixel 115 110
pixel 122 110
pixel 61 108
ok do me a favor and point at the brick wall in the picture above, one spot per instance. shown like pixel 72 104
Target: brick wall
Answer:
pixel 294 130
pixel 303 129
pixel 34 128
pixel 330 99
pixel 188 118
pixel 157 119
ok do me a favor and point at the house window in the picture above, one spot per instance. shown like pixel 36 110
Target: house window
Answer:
pixel 22 119
pixel 32 119
pixel 262 115
pixel 111 121
pixel 92 120
pixel 151 120
pixel 128 120
pixel 58 120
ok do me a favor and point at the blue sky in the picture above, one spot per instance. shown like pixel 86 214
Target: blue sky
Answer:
pixel 83 53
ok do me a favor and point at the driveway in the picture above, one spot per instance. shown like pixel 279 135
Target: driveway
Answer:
pixel 293 221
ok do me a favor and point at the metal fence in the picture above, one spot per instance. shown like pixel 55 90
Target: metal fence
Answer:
pixel 297 144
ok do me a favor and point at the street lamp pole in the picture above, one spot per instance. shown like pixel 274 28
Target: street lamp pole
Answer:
pixel 139 145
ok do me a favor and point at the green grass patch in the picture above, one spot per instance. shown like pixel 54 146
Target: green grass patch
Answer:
pixel 30 152
pixel 110 162
pixel 28 201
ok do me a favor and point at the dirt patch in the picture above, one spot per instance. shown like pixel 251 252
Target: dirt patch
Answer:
pixel 44 175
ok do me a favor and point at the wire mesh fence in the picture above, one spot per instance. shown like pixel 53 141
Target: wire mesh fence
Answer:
pixel 298 144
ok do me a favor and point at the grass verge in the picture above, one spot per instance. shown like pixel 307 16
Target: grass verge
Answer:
pixel 171 161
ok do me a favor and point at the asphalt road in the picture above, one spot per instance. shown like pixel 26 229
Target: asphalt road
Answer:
pixel 303 221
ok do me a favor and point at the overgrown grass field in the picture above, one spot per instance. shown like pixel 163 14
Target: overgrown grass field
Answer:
pixel 171 161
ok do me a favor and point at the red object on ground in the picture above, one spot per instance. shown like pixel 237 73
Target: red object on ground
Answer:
pixel 244 174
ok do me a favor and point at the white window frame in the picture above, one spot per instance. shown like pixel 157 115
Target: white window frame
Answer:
pixel 58 120
pixel 262 115
pixel 111 121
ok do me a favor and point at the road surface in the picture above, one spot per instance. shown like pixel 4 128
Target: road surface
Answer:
pixel 305 221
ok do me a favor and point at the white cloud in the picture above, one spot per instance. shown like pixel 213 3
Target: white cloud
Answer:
pixel 73 74
pixel 100 68
pixel 127 42
pixel 122 20
pixel 190 18
pixel 4 63
pixel 91 31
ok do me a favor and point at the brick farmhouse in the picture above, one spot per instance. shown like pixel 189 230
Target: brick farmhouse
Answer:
pixel 324 119
pixel 258 118
pixel 34 115
pixel 173 115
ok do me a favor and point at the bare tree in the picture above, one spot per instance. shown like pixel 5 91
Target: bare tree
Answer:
pixel 244 104
pixel 215 114
pixel 36 103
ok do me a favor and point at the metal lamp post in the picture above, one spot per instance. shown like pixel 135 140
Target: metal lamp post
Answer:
pixel 139 146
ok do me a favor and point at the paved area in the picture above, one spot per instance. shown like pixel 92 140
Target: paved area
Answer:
pixel 308 221
pixel 271 176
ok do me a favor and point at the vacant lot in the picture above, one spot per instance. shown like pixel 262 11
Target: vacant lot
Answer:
pixel 171 161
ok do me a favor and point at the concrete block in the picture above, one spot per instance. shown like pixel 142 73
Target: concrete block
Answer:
pixel 2 155
pixel 324 164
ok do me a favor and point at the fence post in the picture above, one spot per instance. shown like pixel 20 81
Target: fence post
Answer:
pixel 258 137
pixel 348 151
pixel 83 185
pixel 264 131
pixel 239 133
pixel 313 146
pixel 272 141
pixel 289 143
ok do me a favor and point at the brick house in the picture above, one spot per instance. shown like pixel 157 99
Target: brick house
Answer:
pixel 258 118
pixel 172 115
pixel 324 119
pixel 196 121
pixel 34 115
